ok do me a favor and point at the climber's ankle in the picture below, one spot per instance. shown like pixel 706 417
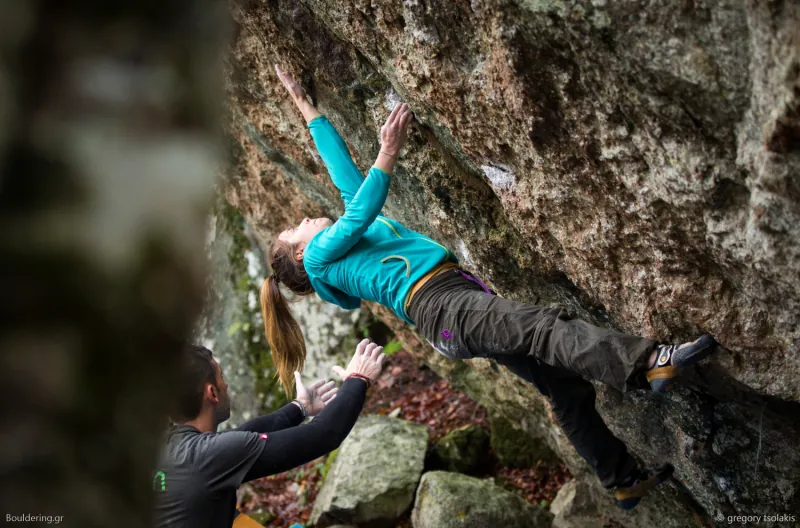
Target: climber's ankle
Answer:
pixel 651 361
pixel 630 492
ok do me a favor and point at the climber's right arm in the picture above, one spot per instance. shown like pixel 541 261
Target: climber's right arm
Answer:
pixel 333 151
pixel 334 242
pixel 297 94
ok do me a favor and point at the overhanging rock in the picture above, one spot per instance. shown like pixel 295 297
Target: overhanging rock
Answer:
pixel 638 166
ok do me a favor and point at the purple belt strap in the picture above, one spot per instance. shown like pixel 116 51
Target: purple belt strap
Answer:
pixel 469 276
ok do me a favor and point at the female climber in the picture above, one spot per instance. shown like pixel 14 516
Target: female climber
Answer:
pixel 364 255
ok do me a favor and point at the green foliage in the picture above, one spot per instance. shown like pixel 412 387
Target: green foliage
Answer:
pixel 392 347
pixel 329 462
pixel 234 328
pixel 262 516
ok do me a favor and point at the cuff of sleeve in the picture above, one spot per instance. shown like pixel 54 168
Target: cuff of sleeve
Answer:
pixel 355 384
pixel 317 121
pixel 379 172
pixel 294 414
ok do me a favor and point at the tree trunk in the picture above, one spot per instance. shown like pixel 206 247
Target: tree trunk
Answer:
pixel 108 151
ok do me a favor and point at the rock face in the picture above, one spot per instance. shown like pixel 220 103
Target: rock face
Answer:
pixel 231 324
pixel 463 450
pixel 452 500
pixel 514 447
pixel 330 335
pixel 635 162
pixel 373 478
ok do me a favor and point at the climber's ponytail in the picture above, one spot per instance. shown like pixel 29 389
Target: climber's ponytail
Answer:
pixel 283 333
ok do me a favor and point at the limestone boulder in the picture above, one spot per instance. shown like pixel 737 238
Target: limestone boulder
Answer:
pixel 453 500
pixel 575 507
pixel 373 478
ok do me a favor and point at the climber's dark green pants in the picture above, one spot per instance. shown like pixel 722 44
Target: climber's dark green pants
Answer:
pixel 543 346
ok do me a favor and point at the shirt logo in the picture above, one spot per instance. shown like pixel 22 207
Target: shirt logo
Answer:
pixel 263 436
pixel 162 477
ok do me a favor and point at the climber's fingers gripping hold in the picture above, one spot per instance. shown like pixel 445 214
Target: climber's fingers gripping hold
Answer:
pixel 294 89
pixel 395 130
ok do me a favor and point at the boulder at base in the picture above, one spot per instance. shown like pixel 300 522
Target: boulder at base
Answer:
pixel 373 479
pixel 575 507
pixel 452 500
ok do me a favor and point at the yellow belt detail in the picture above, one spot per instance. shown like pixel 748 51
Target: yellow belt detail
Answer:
pixel 441 268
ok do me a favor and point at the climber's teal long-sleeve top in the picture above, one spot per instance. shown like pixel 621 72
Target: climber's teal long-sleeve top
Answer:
pixel 364 255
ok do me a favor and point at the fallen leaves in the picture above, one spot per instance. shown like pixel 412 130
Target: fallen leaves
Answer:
pixel 536 485
pixel 284 499
pixel 414 393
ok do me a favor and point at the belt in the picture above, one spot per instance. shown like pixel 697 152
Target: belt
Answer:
pixel 441 268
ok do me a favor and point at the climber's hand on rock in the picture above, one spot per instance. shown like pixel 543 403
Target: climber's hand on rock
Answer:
pixel 367 362
pixel 394 131
pixel 295 90
pixel 298 95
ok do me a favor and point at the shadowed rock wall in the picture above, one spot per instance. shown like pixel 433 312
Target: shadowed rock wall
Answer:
pixel 635 161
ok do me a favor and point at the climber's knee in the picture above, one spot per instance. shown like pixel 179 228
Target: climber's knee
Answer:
pixel 453 349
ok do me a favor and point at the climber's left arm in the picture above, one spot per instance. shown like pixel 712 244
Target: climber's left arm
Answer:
pixel 333 151
pixel 298 95
pixel 334 242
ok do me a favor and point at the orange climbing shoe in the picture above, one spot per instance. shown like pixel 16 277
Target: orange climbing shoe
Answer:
pixel 671 359
pixel 629 496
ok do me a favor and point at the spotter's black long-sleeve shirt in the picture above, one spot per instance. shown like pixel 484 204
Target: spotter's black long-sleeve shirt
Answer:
pixel 198 474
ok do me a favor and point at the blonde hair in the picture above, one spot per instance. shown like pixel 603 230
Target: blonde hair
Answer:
pixel 283 333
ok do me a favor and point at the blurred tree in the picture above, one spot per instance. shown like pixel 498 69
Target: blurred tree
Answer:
pixel 108 149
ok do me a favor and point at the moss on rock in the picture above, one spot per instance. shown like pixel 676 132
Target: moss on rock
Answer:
pixel 372 479
pixel 513 447
pixel 463 450
pixel 329 463
pixel 450 500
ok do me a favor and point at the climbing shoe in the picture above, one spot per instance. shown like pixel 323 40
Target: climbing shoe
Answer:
pixel 670 359
pixel 629 495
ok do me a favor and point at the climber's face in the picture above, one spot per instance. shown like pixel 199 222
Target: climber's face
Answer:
pixel 302 234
